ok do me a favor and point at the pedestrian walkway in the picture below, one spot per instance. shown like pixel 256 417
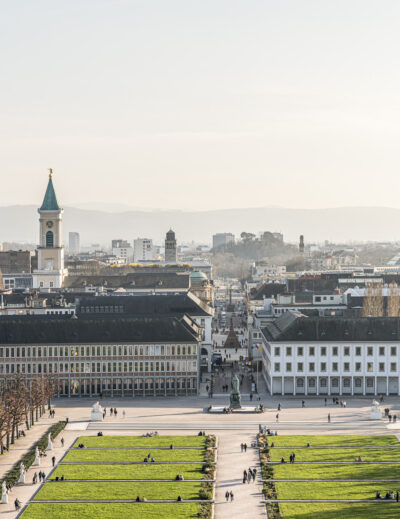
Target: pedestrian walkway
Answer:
pixel 248 498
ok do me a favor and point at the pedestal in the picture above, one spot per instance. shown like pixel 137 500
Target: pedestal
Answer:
pixel 376 413
pixel 4 498
pixel 37 461
pixel 22 478
pixel 96 416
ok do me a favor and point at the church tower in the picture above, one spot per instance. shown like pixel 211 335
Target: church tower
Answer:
pixel 50 272
pixel 170 247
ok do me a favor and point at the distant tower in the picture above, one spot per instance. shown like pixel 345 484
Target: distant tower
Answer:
pixel 74 243
pixel 301 244
pixel 170 247
pixel 50 272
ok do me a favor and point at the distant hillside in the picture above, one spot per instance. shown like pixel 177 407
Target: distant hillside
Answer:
pixel 20 223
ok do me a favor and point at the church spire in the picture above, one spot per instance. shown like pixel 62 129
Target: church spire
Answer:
pixel 50 200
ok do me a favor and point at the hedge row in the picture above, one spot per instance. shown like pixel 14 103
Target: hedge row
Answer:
pixel 267 471
pixel 13 476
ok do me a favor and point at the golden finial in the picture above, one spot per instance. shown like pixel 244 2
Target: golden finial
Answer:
pixel 51 172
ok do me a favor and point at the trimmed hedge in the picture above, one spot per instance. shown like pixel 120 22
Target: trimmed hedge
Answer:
pixel 13 476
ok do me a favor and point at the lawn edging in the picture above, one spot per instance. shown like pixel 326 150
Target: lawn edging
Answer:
pixel 267 473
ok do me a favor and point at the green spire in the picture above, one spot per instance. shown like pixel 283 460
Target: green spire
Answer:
pixel 50 200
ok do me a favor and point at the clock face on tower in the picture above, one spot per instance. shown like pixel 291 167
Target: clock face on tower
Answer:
pixel 49 224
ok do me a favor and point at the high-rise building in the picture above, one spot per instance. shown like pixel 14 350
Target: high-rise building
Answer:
pixel 170 247
pixel 74 243
pixel 123 250
pixel 50 272
pixel 143 250
pixel 223 238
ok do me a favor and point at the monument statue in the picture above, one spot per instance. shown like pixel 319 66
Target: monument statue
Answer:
pixel 376 413
pixel 22 473
pixel 4 493
pixel 37 457
pixel 97 413
pixel 235 398
pixel 50 443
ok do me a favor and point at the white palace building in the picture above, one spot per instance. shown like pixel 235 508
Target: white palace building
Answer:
pixel 331 356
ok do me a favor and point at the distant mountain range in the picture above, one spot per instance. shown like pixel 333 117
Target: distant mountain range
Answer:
pixel 20 223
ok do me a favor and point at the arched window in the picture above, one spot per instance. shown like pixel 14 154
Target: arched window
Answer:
pixel 49 239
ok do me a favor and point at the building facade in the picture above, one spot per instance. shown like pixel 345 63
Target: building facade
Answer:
pixel 331 356
pixel 50 272
pixel 74 243
pixel 118 357
pixel 143 250
pixel 123 250
pixel 222 239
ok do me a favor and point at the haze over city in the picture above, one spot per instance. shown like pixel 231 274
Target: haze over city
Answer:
pixel 201 105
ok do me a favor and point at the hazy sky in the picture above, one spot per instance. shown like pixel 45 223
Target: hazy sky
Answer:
pixel 201 104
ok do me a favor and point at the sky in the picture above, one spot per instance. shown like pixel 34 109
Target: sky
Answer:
pixel 199 105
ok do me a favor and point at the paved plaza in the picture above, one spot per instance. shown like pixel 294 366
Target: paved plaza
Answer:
pixel 187 416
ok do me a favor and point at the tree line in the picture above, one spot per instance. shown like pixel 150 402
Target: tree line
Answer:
pixel 22 402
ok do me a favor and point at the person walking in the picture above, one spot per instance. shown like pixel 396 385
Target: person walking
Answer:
pixel 17 504
pixel 279 407
pixel 231 494
pixel 277 417
pixel 245 447
pixel 325 401
pixel 123 413
pixel 34 479
pixel 303 404
pixel 227 496
pixel 62 442
pixel 241 447
pixel 329 417
pixel 53 460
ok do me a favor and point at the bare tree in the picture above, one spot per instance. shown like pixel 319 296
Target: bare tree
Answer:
pixel 393 301
pixel 373 300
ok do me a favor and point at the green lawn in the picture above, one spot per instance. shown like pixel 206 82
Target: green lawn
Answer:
pixel 118 490
pixel 112 511
pixel 117 455
pixel 141 441
pixel 355 471
pixel 333 490
pixel 336 454
pixel 339 510
pixel 148 471
pixel 339 440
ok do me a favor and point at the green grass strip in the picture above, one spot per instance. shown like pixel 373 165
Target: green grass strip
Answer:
pixel 356 471
pixel 339 510
pixel 112 511
pixel 346 440
pixel 336 454
pixel 148 471
pixel 138 455
pixel 118 490
pixel 141 441
pixel 333 490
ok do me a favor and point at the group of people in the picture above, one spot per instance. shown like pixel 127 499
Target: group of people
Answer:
pixel 243 447
pixel 113 411
pixel 388 495
pixel 292 458
pixel 41 475
pixel 52 413
pixel 249 475
pixel 148 458
pixel 229 495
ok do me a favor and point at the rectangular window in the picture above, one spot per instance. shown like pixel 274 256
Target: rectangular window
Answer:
pixel 393 351
pixel 277 366
pixel 277 351
pixel 288 366
pixel 370 351
pixel 381 350
pixel 346 366
pixel 393 366
pixel 381 367
pixel 299 366
pixel 358 351
pixel 311 367
pixel 335 351
pixel 346 351
pixel 312 351
pixel 334 366
pixel 323 366
pixel 300 351
pixel 358 366
pixel 323 351
pixel 370 366
pixel 288 351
